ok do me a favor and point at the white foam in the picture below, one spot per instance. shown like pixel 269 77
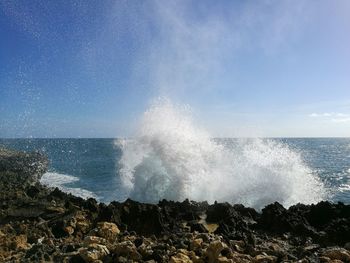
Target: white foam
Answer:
pixel 53 179
pixel 171 158
pixel 344 187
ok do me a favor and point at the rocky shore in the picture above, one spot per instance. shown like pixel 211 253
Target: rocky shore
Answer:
pixel 38 224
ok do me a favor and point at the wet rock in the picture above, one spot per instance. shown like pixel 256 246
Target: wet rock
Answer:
pixel 144 219
pixel 21 167
pixel 277 219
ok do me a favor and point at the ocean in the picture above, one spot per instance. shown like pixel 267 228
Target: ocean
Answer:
pixel 254 171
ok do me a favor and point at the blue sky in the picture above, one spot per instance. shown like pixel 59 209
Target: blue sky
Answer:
pixel 247 68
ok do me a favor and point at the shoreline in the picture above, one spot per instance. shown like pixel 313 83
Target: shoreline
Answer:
pixel 42 224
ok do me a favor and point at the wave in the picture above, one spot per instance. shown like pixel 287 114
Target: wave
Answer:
pixel 171 158
pixel 60 181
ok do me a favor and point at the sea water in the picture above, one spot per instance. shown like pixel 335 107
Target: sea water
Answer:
pixel 170 157
pixel 92 168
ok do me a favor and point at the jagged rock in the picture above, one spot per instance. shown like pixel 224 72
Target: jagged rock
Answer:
pixel 142 218
pixel 276 218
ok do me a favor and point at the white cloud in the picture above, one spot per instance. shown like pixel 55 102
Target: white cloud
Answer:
pixel 341 120
pixel 336 117
pixel 328 114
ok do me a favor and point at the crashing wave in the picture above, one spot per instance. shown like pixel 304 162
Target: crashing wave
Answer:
pixel 171 158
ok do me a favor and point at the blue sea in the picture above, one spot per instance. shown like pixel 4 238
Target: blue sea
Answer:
pixel 115 169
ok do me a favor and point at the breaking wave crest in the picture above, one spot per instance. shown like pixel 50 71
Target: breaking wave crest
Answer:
pixel 171 158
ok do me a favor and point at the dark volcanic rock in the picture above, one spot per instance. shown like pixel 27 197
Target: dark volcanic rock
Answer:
pixel 21 167
pixel 145 219
pixel 275 218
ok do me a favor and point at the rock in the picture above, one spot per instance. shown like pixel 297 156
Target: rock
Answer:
pixel 180 258
pixel 21 167
pixel 238 257
pixel 69 230
pixel 20 242
pixel 40 253
pixel 107 230
pixel 224 260
pixel 324 259
pixel 82 224
pixel 347 246
pixel 238 245
pixel 40 224
pixel 196 243
pixel 265 259
pixel 337 253
pixel 214 250
pixel 94 240
pixel 93 252
pixel 145 219
pixel 127 249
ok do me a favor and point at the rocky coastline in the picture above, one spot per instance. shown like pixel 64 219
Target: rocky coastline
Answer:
pixel 38 224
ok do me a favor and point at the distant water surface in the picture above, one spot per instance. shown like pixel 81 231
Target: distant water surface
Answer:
pixel 90 167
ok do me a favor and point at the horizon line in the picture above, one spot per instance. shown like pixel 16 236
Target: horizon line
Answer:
pixel 234 137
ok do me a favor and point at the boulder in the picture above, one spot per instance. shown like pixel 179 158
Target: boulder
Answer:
pixel 107 230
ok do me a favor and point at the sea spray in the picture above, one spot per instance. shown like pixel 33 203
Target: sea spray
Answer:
pixel 171 158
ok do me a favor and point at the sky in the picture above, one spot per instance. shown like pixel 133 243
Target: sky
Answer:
pixel 246 68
